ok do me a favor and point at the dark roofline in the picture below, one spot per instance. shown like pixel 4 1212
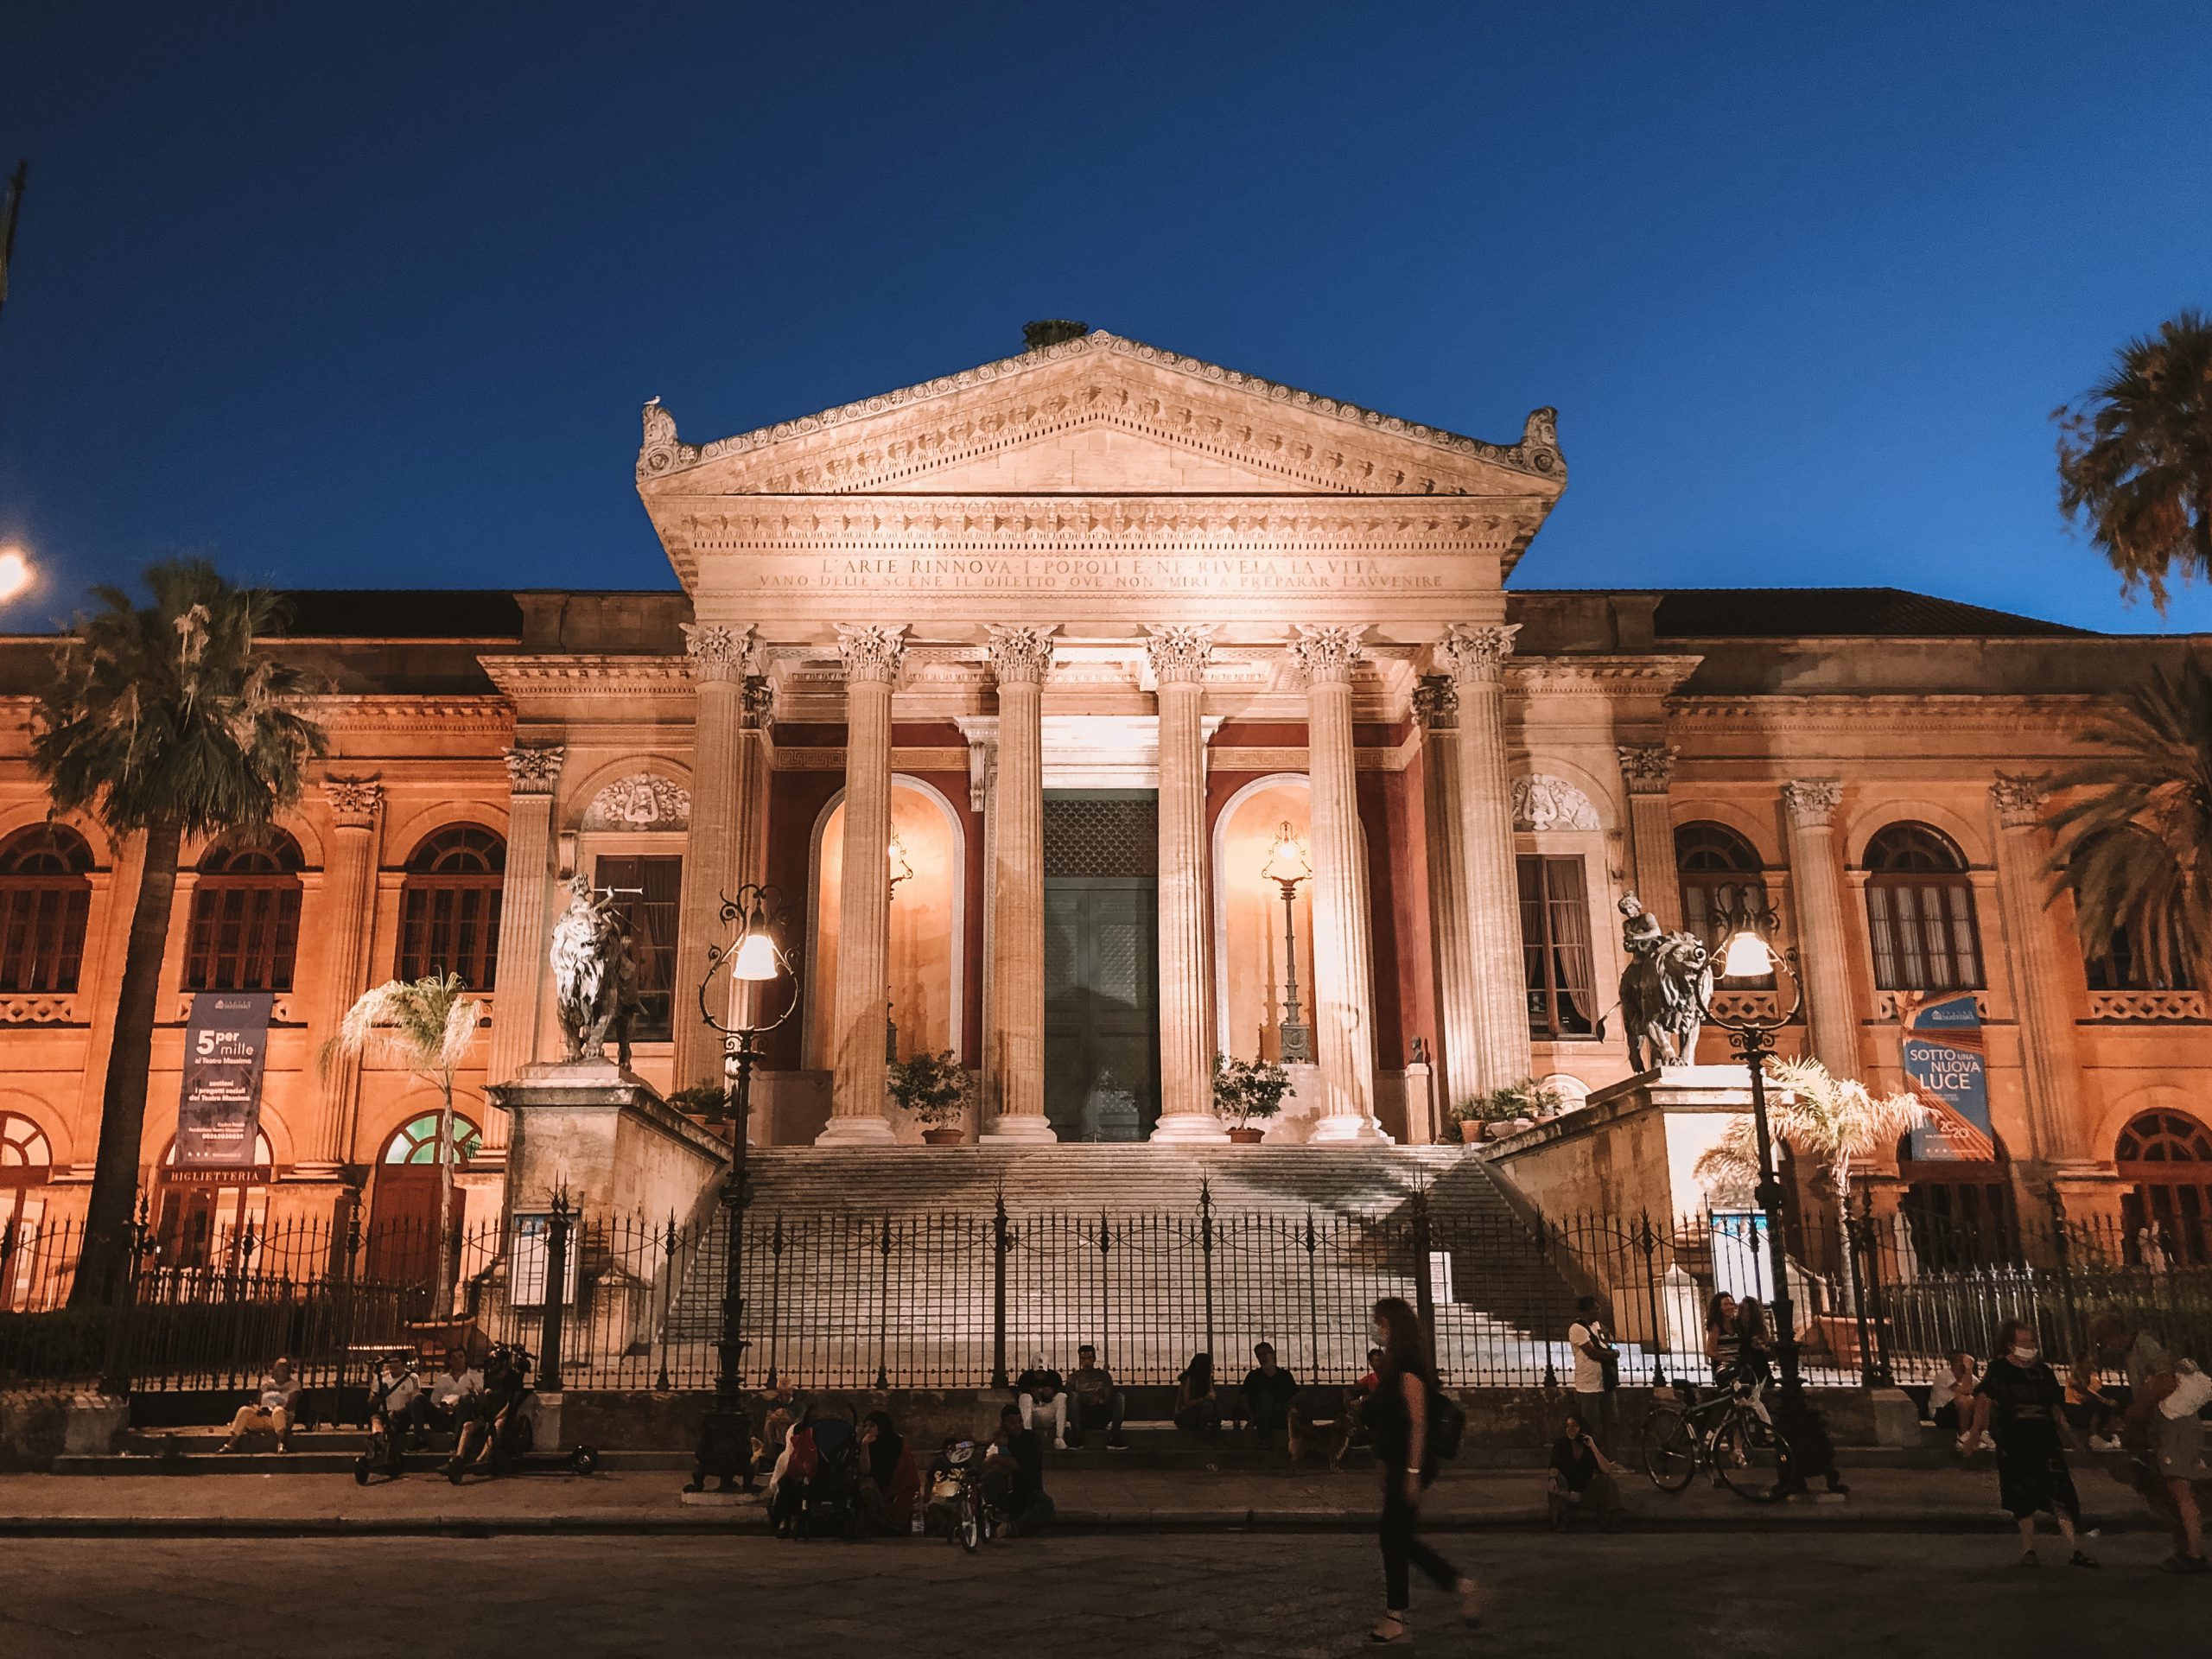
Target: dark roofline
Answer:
pixel 1824 613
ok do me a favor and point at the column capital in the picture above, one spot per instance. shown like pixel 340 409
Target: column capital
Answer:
pixel 716 652
pixel 759 703
pixel 1180 651
pixel 1021 655
pixel 533 770
pixel 872 651
pixel 1811 802
pixel 1647 768
pixel 1327 654
pixel 1436 702
pixel 1475 653
pixel 2018 799
pixel 353 800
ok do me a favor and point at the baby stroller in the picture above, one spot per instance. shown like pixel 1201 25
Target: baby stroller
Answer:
pixel 956 1509
pixel 507 1422
pixel 828 1499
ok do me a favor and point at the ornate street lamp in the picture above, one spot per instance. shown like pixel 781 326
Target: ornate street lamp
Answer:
pixel 1747 956
pixel 1287 866
pixel 739 976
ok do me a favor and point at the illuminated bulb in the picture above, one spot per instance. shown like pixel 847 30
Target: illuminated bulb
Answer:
pixel 1287 858
pixel 1746 957
pixel 14 573
pixel 755 959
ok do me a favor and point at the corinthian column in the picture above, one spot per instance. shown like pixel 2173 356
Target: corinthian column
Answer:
pixel 1459 994
pixel 1824 941
pixel 1343 958
pixel 1647 769
pixel 347 908
pixel 1475 655
pixel 1186 1046
pixel 710 865
pixel 1020 658
pixel 872 657
pixel 515 992
pixel 2049 1060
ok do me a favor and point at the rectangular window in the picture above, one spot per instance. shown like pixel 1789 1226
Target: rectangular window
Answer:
pixel 450 925
pixel 1555 946
pixel 645 892
pixel 246 933
pixel 2127 966
pixel 42 934
pixel 1924 934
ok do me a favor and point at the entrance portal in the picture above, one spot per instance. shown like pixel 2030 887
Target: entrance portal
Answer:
pixel 1102 963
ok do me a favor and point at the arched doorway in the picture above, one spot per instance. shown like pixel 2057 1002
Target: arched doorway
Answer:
pixel 26 1163
pixel 402 1243
pixel 204 1215
pixel 2166 1159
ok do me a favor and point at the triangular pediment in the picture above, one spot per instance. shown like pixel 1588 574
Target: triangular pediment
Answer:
pixel 1098 415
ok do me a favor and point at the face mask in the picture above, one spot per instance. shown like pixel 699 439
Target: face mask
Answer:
pixel 2023 1355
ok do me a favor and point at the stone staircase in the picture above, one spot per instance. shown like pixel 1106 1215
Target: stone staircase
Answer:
pixel 865 1265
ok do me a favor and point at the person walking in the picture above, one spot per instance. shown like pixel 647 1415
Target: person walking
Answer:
pixel 2025 1396
pixel 1398 1417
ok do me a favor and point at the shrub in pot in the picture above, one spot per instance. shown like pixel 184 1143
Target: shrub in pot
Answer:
pixel 935 1090
pixel 1244 1090
pixel 1507 1109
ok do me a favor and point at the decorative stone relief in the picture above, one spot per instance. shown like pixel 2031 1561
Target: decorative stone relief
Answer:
pixel 1326 654
pixel 534 771
pixel 1180 652
pixel 871 652
pixel 353 800
pixel 1021 655
pixel 1811 802
pixel 1436 702
pixel 1476 652
pixel 661 451
pixel 2019 800
pixel 759 703
pixel 716 652
pixel 644 800
pixel 1649 768
pixel 1541 803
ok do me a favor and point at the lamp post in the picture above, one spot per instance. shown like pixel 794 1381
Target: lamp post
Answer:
pixel 898 869
pixel 1287 866
pixel 1747 956
pixel 751 964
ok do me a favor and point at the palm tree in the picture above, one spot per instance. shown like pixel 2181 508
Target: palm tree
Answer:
pixel 1836 1122
pixel 2135 458
pixel 2134 828
pixel 162 721
pixel 428 1026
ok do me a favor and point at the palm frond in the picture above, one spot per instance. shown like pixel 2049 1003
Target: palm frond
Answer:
pixel 427 1025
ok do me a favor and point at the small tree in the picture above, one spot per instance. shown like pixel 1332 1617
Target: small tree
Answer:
pixel 428 1027
pixel 1834 1122
pixel 934 1087
pixel 1244 1090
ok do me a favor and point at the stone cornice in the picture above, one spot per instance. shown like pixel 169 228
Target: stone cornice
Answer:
pixel 379 714
pixel 1603 677
pixel 1993 714
pixel 652 676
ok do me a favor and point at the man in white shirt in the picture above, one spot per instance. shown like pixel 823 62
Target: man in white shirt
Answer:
pixel 279 1402
pixel 451 1399
pixel 1597 1367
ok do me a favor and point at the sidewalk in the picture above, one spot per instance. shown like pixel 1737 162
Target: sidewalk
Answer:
pixel 1134 1501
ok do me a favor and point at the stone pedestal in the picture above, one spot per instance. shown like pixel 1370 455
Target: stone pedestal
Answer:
pixel 1630 1151
pixel 604 1135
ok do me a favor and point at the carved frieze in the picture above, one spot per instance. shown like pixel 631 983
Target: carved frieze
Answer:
pixel 1542 804
pixel 533 770
pixel 644 800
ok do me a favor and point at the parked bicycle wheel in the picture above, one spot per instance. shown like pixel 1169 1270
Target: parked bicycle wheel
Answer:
pixel 1669 1449
pixel 1752 1458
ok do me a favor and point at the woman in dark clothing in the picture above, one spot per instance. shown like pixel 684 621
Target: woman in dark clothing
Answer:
pixel 2024 1397
pixel 1397 1417
pixel 889 1482
pixel 1754 1342
pixel 1197 1408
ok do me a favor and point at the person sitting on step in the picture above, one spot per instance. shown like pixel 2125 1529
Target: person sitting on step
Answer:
pixel 278 1407
pixel 1094 1402
pixel 1042 1398
pixel 1267 1390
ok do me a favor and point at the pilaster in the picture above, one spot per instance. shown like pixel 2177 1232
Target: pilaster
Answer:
pixel 347 913
pixel 716 657
pixel 1823 935
pixel 1459 992
pixel 873 655
pixel 2050 1062
pixel 1648 771
pixel 533 774
pixel 1475 655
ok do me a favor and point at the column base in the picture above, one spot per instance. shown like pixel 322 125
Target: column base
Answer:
pixel 1020 1129
pixel 1349 1129
pixel 862 1129
pixel 1190 1129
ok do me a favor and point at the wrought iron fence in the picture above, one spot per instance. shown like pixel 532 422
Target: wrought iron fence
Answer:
pixel 961 1298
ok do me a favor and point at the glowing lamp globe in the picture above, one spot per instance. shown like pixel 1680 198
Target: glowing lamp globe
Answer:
pixel 1286 861
pixel 755 958
pixel 1747 957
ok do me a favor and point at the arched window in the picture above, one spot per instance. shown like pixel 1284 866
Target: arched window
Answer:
pixel 246 916
pixel 449 906
pixel 46 896
pixel 2168 1159
pixel 416 1141
pixel 1920 913
pixel 1722 885
pixel 26 1159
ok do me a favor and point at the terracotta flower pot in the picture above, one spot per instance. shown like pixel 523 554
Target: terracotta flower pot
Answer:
pixel 941 1137
pixel 1246 1136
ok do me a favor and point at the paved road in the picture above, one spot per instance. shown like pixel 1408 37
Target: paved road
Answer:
pixel 1713 1598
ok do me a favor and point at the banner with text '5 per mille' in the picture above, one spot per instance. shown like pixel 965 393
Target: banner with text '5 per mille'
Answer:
pixel 1944 1056
pixel 225 1046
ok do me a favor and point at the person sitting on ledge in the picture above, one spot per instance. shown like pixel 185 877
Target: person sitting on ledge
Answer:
pixel 1014 1477
pixel 1094 1402
pixel 1041 1399
pixel 889 1483
pixel 1581 1476
pixel 1198 1411
pixel 449 1401
pixel 279 1405
pixel 397 1390
pixel 1267 1390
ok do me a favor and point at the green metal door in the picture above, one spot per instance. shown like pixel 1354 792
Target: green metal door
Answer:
pixel 1102 965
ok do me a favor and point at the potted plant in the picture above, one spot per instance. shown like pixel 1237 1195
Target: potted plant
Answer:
pixel 934 1088
pixel 1507 1109
pixel 1244 1090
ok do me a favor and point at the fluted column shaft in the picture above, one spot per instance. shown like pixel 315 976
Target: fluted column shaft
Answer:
pixel 856 1114
pixel 2049 1061
pixel 1179 655
pixel 348 907
pixel 532 774
pixel 1647 769
pixel 1823 936
pixel 1476 656
pixel 1020 658
pixel 1343 958
pixel 1459 993
pixel 710 866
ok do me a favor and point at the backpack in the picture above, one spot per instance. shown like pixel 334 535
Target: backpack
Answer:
pixel 1447 1423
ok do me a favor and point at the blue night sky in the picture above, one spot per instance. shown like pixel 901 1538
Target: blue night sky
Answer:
pixel 373 299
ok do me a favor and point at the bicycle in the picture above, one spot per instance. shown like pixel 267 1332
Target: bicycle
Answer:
pixel 1728 1433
